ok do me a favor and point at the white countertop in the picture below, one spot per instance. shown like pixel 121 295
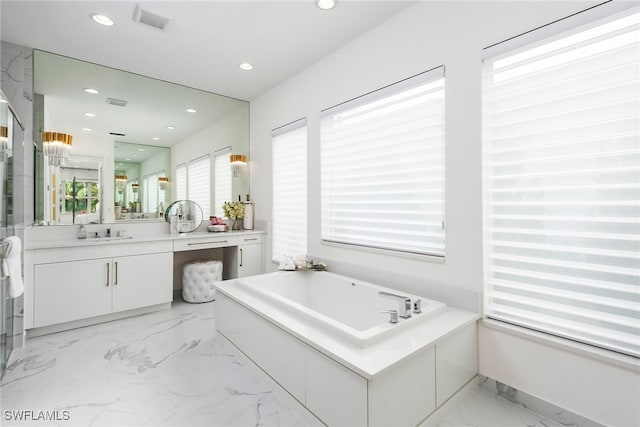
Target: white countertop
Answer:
pixel 130 238
pixel 367 362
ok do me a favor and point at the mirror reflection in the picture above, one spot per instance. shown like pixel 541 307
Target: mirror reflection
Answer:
pixel 184 216
pixel 139 131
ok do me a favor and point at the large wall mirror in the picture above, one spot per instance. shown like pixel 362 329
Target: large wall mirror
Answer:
pixel 127 134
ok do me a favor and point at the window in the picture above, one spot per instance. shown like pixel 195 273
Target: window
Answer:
pixel 562 180
pixel 181 182
pixel 199 183
pixel 382 168
pixel 150 192
pixel 222 188
pixel 193 183
pixel 289 190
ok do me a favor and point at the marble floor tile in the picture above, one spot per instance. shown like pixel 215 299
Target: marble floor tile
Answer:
pixel 167 369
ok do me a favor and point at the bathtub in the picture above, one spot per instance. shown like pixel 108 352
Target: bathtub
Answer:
pixel 350 309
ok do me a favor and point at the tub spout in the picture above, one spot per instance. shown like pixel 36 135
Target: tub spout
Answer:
pixel 404 303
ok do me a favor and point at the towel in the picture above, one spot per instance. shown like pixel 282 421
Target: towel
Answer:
pixel 14 264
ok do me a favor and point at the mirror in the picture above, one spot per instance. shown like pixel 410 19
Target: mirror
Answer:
pixel 172 124
pixel 141 174
pixel 183 216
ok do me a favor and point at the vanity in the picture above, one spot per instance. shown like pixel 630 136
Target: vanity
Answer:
pixel 72 282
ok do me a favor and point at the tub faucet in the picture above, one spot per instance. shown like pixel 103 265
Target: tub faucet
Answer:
pixel 404 303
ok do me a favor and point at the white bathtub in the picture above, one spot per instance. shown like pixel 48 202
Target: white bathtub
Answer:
pixel 350 309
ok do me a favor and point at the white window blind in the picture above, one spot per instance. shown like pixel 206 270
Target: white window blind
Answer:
pixel 382 168
pixel 289 151
pixel 199 183
pixel 145 193
pixel 222 182
pixel 562 182
pixel 181 182
pixel 152 193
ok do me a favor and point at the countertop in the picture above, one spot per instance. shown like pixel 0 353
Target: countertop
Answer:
pixel 132 238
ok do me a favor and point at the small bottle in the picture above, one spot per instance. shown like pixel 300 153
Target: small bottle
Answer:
pixel 82 232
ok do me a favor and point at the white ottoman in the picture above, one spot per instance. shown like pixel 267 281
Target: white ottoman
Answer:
pixel 198 278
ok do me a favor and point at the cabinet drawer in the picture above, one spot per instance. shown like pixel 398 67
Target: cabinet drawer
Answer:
pixel 251 238
pixel 204 243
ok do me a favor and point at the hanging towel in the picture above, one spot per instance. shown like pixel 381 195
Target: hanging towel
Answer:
pixel 14 263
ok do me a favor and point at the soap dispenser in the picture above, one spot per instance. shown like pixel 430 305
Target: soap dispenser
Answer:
pixel 82 232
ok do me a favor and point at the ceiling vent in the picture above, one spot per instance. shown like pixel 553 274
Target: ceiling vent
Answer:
pixel 151 19
pixel 116 134
pixel 117 102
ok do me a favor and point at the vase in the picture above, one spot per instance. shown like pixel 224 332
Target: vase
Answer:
pixel 236 224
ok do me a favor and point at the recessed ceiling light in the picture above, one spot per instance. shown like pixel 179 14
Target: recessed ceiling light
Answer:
pixel 128 159
pixel 89 114
pixel 326 4
pixel 4 101
pixel 155 138
pixel 101 19
pixel 86 129
pixel 91 91
pixel 140 149
pixel 171 127
pixel 191 110
pixel 246 66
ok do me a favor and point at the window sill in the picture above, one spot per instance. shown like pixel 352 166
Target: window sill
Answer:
pixel 584 350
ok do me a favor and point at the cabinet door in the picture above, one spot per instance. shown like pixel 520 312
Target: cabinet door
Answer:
pixel 73 290
pixel 142 280
pixel 249 260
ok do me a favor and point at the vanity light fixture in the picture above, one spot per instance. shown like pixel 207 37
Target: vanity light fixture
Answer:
pixel 326 4
pixel 238 163
pixel 163 181
pixel 246 66
pixel 102 19
pixel 4 142
pixel 56 146
pixel 121 183
pixel 91 91
pixel 135 187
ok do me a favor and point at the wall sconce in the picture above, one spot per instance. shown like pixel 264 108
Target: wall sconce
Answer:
pixel 238 163
pixel 163 181
pixel 135 187
pixel 121 183
pixel 56 147
pixel 4 142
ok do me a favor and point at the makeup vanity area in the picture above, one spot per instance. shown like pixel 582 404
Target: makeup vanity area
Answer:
pixel 71 282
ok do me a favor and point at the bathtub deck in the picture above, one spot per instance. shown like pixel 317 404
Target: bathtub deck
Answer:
pixel 367 362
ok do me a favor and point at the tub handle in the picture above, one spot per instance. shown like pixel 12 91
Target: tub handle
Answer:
pixel 393 315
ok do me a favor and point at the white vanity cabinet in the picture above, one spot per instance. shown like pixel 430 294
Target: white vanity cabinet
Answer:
pixel 80 283
pixel 249 255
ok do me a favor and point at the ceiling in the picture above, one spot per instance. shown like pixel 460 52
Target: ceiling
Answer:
pixel 204 41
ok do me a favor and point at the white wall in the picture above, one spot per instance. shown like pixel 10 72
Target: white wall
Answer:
pixel 422 37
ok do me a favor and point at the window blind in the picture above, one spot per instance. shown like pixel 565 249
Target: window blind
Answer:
pixel 289 190
pixel 382 168
pixel 222 182
pixel 152 200
pixel 181 182
pixel 562 182
pixel 199 183
pixel 145 193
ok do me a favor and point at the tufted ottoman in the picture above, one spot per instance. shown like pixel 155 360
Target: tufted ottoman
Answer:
pixel 198 278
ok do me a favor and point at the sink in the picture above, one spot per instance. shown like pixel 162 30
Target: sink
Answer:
pixel 109 239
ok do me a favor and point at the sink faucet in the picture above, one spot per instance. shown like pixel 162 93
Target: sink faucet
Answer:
pixel 404 303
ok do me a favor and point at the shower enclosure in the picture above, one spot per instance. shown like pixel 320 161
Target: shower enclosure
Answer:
pixel 7 123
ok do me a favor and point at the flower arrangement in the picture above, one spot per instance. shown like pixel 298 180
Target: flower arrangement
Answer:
pixel 233 210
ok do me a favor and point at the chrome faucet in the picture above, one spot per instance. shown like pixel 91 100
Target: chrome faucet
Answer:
pixel 404 303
